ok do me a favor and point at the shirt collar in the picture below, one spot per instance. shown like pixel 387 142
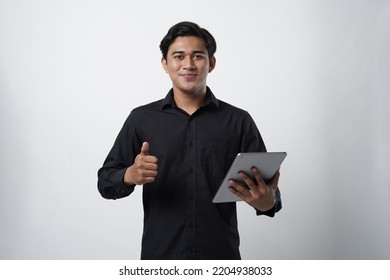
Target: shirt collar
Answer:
pixel 169 101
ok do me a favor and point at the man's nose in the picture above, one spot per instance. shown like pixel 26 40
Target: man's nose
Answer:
pixel 188 63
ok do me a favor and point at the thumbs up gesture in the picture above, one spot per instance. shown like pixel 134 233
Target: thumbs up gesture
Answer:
pixel 144 169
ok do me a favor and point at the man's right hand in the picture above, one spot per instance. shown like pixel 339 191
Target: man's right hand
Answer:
pixel 144 169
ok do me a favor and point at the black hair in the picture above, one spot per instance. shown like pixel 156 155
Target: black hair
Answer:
pixel 187 28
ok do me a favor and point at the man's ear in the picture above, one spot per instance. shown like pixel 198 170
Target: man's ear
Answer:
pixel 164 64
pixel 212 63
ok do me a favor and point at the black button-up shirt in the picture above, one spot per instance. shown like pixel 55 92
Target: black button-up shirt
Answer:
pixel 194 153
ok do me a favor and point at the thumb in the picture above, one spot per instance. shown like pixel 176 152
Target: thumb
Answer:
pixel 145 148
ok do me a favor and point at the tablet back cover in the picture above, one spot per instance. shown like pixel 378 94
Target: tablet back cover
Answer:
pixel 268 163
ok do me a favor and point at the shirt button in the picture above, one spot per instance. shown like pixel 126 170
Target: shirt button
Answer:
pixel 190 225
pixel 191 170
pixel 191 143
pixel 190 197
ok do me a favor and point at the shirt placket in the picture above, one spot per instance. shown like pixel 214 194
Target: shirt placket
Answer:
pixel 191 198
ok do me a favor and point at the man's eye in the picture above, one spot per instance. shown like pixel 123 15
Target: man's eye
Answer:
pixel 198 56
pixel 178 57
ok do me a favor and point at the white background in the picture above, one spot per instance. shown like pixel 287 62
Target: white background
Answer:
pixel 315 76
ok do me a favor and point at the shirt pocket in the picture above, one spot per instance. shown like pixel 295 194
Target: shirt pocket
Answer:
pixel 216 158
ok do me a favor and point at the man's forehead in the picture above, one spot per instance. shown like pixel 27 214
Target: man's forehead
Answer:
pixel 187 44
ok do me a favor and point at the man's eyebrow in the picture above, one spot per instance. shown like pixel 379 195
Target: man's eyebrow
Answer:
pixel 194 52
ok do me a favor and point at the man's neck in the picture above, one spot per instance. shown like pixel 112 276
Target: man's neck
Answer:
pixel 189 102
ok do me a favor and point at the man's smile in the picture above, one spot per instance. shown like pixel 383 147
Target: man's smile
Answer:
pixel 188 76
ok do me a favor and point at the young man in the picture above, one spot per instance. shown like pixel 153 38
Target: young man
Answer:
pixel 179 148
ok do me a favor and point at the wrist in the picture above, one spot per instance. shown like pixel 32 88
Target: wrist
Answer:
pixel 267 206
pixel 127 178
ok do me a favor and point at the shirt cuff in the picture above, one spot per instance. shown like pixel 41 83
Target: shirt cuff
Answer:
pixel 270 213
pixel 120 188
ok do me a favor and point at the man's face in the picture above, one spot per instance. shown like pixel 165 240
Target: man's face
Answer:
pixel 188 65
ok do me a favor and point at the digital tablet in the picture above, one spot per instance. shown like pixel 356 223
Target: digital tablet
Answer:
pixel 267 163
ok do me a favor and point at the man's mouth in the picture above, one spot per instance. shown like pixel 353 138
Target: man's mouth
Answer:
pixel 189 75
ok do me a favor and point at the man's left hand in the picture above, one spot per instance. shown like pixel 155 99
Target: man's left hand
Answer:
pixel 260 195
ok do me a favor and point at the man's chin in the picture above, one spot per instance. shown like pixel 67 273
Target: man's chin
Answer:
pixel 192 89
